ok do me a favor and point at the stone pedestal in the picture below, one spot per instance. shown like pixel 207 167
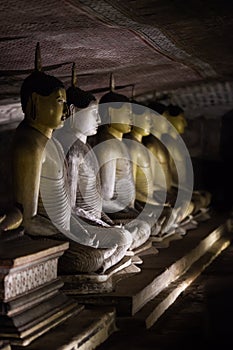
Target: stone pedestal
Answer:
pixel 31 302
pixel 95 283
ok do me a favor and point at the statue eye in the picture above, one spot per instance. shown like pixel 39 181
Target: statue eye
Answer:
pixel 60 100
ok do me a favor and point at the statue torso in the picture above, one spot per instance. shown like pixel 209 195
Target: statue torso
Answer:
pixel 124 183
pixel 84 181
pixel 54 199
pixel 160 160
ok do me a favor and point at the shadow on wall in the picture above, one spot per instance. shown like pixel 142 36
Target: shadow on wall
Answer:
pixel 210 143
pixel 202 138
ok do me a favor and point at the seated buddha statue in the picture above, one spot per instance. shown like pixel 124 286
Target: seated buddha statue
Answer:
pixel 83 179
pixel 160 159
pixel 144 178
pixel 40 178
pixel 175 115
pixel 83 167
pixel 116 171
pixel 166 146
pixel 27 151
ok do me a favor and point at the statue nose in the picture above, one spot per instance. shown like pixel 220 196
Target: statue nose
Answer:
pixel 131 119
pixel 66 111
pixel 98 119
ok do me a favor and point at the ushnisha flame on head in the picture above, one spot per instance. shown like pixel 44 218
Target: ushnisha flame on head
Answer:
pixel 76 96
pixel 39 82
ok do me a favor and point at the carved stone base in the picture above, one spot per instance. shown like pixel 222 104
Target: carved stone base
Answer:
pixel 96 283
pixel 30 300
pixel 23 328
pixel 26 264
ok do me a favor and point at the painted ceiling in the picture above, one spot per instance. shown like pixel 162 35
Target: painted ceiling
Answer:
pixel 169 50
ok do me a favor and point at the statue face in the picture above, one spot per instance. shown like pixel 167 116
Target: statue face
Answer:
pixel 51 111
pixel 121 118
pixel 178 122
pixel 87 120
pixel 159 124
pixel 142 123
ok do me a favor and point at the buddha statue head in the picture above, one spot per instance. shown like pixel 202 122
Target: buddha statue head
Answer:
pixel 115 110
pixel 175 115
pixel 157 107
pixel 83 106
pixel 159 124
pixel 141 118
pixel 43 99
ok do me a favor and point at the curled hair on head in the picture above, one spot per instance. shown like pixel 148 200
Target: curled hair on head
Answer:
pixel 174 110
pixel 138 108
pixel 78 97
pixel 111 99
pixel 40 83
pixel 114 97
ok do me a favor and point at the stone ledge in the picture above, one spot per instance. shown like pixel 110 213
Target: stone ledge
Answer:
pixel 84 331
pixel 160 270
pixel 155 308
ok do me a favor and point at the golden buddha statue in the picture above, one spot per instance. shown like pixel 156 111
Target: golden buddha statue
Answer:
pixel 166 148
pixel 159 155
pixel 160 159
pixel 201 199
pixel 144 177
pixel 116 172
pixel 40 178
pixel 38 91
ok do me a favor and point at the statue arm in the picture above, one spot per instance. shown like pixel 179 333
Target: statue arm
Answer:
pixel 108 177
pixel 142 174
pixel 72 174
pixel 27 164
pixel 26 179
pixel 160 165
pixel 144 186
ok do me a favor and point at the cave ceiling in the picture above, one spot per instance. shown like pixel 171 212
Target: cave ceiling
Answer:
pixel 169 50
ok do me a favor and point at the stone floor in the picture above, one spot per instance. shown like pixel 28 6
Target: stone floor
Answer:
pixel 201 316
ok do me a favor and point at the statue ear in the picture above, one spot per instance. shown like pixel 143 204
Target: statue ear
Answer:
pixel 72 109
pixel 72 115
pixel 30 109
pixel 110 115
pixel 34 102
